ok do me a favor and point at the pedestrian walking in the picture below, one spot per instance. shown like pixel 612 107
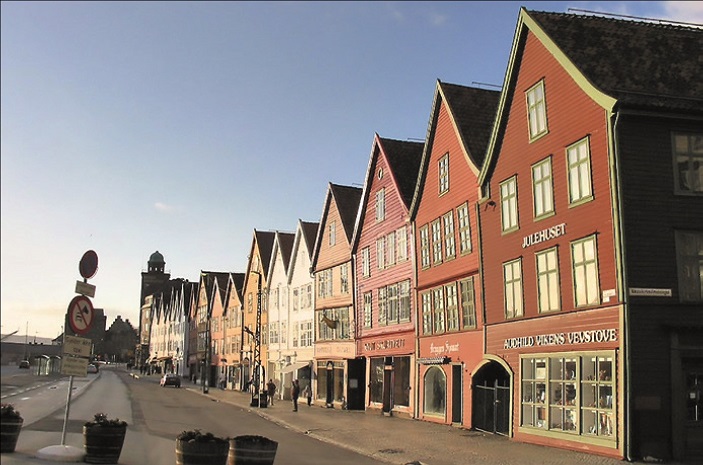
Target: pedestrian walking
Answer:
pixel 271 387
pixel 294 394
pixel 307 392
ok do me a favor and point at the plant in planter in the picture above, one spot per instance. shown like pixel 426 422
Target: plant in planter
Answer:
pixel 196 448
pixel 103 439
pixel 252 450
pixel 10 427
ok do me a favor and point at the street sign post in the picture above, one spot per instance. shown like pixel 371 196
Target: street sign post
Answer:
pixel 80 314
pixel 85 289
pixel 77 346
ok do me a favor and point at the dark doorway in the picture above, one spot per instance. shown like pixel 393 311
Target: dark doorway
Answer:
pixel 457 394
pixel 491 399
pixel 329 400
pixel 387 384
pixel 356 392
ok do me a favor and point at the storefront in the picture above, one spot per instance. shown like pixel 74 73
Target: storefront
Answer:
pixel 444 374
pixel 567 379
pixel 333 388
pixel 390 372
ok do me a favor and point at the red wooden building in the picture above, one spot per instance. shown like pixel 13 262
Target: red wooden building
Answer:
pixel 560 315
pixel 384 270
pixel 443 212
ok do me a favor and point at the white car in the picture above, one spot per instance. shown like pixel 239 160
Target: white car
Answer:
pixel 92 368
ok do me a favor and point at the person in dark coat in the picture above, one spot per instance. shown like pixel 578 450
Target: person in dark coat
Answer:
pixel 294 394
pixel 271 387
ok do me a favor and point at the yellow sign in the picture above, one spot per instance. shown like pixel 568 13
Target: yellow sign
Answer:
pixel 77 346
pixel 74 366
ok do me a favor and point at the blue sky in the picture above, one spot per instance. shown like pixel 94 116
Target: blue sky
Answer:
pixel 131 127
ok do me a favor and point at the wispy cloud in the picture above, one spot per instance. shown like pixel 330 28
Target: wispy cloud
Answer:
pixel 437 19
pixel 162 207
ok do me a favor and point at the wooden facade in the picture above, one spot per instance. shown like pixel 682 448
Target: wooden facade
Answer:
pixel 384 270
pixel 448 291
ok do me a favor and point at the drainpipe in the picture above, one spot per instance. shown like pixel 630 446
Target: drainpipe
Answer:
pixel 624 286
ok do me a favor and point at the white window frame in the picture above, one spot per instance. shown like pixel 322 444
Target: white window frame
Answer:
pixel 380 205
pixel 547 268
pixel 585 272
pixel 578 165
pixel 509 205
pixel 536 102
pixel 449 238
pixel 687 151
pixel 437 245
pixel 462 213
pixel 443 174
pixel 513 289
pixel 381 252
pixel 425 246
pixel 543 188
pixel 366 262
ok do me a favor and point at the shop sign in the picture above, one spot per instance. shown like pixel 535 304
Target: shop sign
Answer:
pixel 544 235
pixel 447 348
pixel 386 344
pixel 558 339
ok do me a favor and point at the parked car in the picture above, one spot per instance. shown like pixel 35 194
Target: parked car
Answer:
pixel 92 368
pixel 170 379
pixel 24 364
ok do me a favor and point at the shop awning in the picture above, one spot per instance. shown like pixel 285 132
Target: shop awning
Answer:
pixel 168 357
pixel 433 360
pixel 294 366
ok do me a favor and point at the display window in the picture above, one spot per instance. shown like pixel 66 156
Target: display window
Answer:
pixel 435 387
pixel 570 393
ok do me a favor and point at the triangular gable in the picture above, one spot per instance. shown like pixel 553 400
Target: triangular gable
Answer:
pixel 472 112
pixel 403 161
pixel 347 200
pixel 305 235
pixel 261 246
pixel 282 245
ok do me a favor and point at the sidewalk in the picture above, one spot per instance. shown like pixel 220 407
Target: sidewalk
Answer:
pixel 405 441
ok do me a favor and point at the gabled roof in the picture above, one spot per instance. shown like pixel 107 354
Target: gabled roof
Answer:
pixel 347 200
pixel 283 245
pixel 235 285
pixel 310 234
pixel 305 234
pixel 215 287
pixel 473 112
pixel 403 159
pixel 640 64
pixel 263 241
pixel 619 63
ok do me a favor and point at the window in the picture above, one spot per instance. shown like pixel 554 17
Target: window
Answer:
pixel 401 241
pixel 425 246
pixel 462 214
pixel 508 204
pixel 585 269
pixel 579 165
pixel 537 111
pixel 444 174
pixel 381 252
pixel 401 381
pixel 295 299
pixel 390 247
pixel 688 158
pixel 468 303
pixel 435 384
pixel 333 233
pixel 344 278
pixel 438 309
pixel 382 309
pixel 689 261
pixel 376 380
pixel 366 262
pixel 306 336
pixel 512 279
pixel 452 307
pixel 392 306
pixel 548 280
pixel 426 313
pixel 367 309
pixel 381 205
pixel 573 394
pixel 404 291
pixel 449 240
pixel 542 188
pixel 436 242
pixel 296 335
pixel 284 332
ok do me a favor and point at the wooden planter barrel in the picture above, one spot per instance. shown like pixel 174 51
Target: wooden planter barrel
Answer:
pixel 103 444
pixel 201 453
pixel 251 450
pixel 9 433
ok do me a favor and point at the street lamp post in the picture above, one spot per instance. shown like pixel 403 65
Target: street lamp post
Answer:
pixel 256 356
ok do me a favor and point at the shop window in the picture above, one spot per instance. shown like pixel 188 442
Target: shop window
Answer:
pixel 569 394
pixel 536 111
pixel 579 168
pixel 689 260
pixel 688 163
pixel 435 384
